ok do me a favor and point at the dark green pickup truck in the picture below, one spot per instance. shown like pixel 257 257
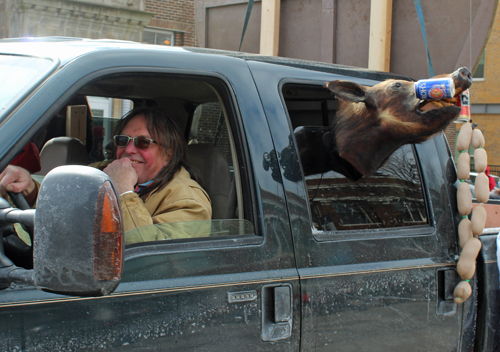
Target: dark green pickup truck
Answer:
pixel 288 262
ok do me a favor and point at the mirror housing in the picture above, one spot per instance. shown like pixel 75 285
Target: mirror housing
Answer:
pixel 78 238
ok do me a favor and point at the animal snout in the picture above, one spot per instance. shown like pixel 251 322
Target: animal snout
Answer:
pixel 465 73
pixel 462 78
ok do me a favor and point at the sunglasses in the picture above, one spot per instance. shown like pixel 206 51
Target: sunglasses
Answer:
pixel 140 142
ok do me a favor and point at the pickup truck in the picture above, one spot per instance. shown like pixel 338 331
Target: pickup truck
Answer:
pixel 288 262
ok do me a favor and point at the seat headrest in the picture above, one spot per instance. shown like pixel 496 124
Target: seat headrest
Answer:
pixel 214 169
pixel 61 151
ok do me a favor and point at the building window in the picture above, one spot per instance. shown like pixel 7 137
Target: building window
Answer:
pixel 479 72
pixel 158 37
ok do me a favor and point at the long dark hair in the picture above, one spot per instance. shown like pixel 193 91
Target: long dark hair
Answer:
pixel 163 130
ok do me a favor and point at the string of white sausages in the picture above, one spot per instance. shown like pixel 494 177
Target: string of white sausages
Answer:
pixel 469 230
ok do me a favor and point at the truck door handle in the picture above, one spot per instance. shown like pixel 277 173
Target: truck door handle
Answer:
pixel 446 281
pixel 276 312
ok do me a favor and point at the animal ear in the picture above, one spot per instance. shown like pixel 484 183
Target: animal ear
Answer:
pixel 351 91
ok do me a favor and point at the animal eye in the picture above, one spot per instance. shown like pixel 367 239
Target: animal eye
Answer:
pixel 397 85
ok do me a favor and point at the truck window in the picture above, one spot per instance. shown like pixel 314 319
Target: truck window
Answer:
pixel 22 73
pixel 209 126
pixel 203 114
pixel 391 198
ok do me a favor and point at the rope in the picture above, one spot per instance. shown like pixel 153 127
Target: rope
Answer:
pixel 418 6
pixel 247 17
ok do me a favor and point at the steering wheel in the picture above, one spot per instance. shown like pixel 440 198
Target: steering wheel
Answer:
pixel 13 246
pixel 20 202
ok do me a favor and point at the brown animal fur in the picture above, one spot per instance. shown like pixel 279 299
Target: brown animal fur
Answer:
pixel 372 122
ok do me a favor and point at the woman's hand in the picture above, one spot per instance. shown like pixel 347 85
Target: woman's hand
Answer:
pixel 122 174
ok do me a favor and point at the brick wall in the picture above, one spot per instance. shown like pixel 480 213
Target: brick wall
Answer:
pixel 177 16
pixel 487 92
pixel 489 124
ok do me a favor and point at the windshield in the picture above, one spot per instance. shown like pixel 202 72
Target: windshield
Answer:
pixel 18 75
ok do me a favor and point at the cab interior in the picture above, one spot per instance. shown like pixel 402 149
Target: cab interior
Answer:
pixel 82 129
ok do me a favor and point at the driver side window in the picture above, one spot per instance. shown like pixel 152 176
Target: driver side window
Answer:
pixel 82 131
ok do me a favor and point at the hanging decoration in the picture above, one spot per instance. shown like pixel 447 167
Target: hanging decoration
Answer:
pixel 470 230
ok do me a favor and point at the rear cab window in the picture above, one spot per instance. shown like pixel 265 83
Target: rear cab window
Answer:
pixel 391 199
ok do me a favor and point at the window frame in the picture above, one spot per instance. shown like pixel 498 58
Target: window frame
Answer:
pixel 228 100
pixel 358 234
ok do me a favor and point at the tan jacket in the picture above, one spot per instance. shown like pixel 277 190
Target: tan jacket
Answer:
pixel 182 202
pixel 182 199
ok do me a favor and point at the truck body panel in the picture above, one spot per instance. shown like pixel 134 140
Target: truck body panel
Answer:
pixel 313 262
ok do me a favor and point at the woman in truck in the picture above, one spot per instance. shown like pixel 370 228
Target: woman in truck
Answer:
pixel 155 182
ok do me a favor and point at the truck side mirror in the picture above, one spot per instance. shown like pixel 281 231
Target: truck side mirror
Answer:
pixel 78 238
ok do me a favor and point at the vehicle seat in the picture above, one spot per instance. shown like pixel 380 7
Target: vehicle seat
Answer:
pixel 214 169
pixel 61 151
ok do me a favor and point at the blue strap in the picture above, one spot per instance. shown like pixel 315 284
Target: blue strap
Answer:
pixel 422 26
pixel 142 185
pixel 247 17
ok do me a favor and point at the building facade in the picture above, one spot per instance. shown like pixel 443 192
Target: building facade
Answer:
pixel 165 22
pixel 485 97
pixel 112 19
pixel 173 19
